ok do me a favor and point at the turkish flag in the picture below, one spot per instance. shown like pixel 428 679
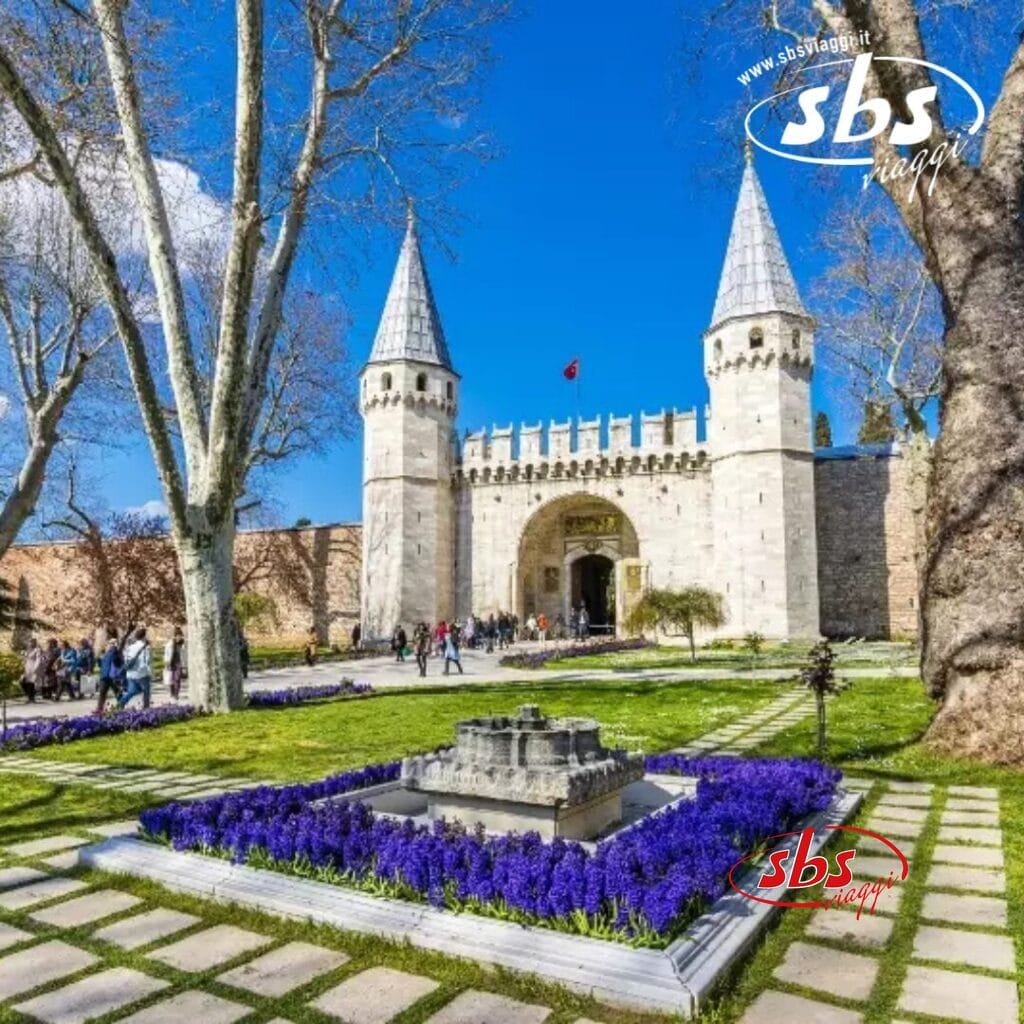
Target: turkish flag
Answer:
pixel 572 369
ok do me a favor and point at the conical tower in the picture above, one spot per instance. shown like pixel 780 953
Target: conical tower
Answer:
pixel 758 360
pixel 409 395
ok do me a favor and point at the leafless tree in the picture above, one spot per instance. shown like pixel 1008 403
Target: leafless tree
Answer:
pixel 55 329
pixel 128 571
pixel 969 232
pixel 382 78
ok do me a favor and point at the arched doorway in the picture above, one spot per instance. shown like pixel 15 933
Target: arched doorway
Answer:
pixel 575 548
pixel 593 587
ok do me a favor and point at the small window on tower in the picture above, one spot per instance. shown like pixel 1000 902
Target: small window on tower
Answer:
pixel 385 382
pixel 449 390
pixel 756 337
pixel 421 382
pixel 718 348
pixel 796 338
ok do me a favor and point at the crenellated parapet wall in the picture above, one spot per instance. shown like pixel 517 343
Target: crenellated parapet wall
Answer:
pixel 665 442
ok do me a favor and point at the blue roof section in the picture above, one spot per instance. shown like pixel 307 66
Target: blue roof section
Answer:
pixel 859 451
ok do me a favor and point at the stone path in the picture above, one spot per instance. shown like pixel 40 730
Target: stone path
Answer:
pixel 961 930
pixel 173 785
pixel 62 961
pixel 754 729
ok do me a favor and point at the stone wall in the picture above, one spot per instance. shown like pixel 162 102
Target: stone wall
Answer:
pixel 312 573
pixel 866 575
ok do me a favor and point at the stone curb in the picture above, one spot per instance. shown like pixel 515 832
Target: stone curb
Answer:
pixel 677 979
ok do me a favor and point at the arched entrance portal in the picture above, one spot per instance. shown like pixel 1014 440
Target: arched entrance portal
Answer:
pixel 593 587
pixel 578 549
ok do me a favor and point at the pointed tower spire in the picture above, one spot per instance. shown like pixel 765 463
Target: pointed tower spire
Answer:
pixel 755 277
pixel 410 327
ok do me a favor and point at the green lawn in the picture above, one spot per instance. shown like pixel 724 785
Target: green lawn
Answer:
pixel 309 742
pixel 875 654
pixel 876 729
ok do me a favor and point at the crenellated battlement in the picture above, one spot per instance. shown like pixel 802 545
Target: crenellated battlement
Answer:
pixel 666 441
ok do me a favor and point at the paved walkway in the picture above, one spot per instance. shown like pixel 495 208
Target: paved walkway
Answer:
pixel 962 965
pixel 72 952
pixel 383 673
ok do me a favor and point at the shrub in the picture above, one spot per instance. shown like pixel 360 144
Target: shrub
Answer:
pixel 538 659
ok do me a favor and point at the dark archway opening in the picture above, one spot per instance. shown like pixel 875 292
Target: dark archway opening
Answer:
pixel 593 584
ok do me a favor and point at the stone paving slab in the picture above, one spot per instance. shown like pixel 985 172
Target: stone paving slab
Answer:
pixel 191 1007
pixel 894 829
pixel 771 1007
pixel 888 902
pixel 955 803
pixel 989 819
pixel 281 970
pixel 982 792
pixel 911 787
pixel 142 929
pixel 39 965
pixel 374 996
pixel 980 910
pixel 964 834
pixel 94 906
pixel 966 997
pixel 49 844
pixel 896 812
pixel 92 997
pixel 62 861
pixel 828 970
pixel 10 877
pixel 976 856
pixel 487 1008
pixel 39 892
pixel 128 827
pixel 11 936
pixel 206 949
pixel 870 931
pixel 865 865
pixel 899 799
pixel 975 949
pixel 954 876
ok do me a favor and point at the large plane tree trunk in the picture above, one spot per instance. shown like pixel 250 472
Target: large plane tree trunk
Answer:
pixel 214 669
pixel 973 580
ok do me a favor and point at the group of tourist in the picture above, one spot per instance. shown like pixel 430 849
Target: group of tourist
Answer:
pixel 124 668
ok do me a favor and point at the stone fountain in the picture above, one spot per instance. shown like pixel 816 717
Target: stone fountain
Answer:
pixel 526 772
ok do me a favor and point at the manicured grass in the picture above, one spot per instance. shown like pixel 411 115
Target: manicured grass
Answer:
pixel 309 742
pixel 876 728
pixel 773 655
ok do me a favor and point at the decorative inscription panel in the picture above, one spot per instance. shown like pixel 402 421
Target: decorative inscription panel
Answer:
pixel 605 524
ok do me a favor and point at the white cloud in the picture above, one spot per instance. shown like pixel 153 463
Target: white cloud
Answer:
pixel 151 509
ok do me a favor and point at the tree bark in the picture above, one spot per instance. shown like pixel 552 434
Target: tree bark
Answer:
pixel 214 668
pixel 973 610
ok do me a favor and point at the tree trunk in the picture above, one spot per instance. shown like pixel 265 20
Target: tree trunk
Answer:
pixel 918 453
pixel 214 667
pixel 820 701
pixel 693 645
pixel 973 576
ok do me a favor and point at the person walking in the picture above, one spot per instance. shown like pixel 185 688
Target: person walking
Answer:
pixel 421 645
pixel 243 654
pixel 309 651
pixel 491 632
pixel 86 667
pixel 51 661
pixel 111 672
pixel 542 627
pixel 584 621
pixel 451 652
pixel 34 678
pixel 439 636
pixel 138 670
pixel 357 635
pixel 67 671
pixel 398 642
pixel 174 662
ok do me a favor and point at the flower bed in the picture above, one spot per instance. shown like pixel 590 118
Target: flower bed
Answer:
pixel 538 659
pixel 641 886
pixel 43 731
pixel 299 694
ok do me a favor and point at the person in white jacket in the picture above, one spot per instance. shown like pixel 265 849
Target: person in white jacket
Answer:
pixel 138 669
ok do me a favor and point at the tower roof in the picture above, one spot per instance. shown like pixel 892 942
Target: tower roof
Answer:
pixel 410 327
pixel 755 276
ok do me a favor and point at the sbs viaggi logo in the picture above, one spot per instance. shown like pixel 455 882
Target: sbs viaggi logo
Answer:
pixel 833 116
pixel 792 869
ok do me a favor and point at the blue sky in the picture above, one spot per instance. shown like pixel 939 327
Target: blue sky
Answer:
pixel 599 232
